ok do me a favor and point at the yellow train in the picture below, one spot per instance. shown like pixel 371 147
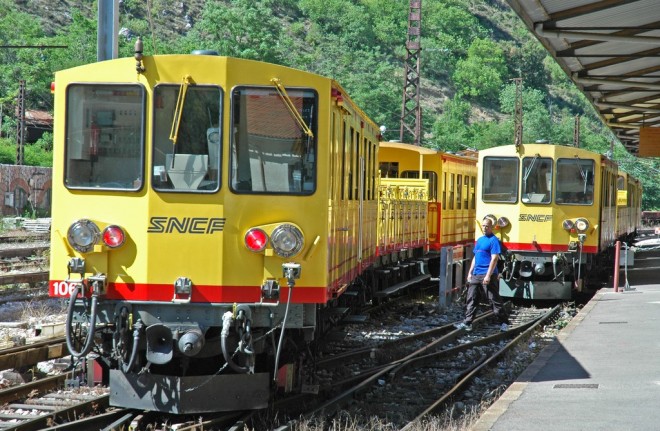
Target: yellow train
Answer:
pixel 212 215
pixel 558 211
pixel 452 189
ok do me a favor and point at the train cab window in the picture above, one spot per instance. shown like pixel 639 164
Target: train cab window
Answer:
pixel 270 150
pixel 536 180
pixel 186 138
pixel 500 179
pixel 104 136
pixel 575 181
pixel 427 175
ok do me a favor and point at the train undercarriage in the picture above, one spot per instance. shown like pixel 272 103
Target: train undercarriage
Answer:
pixel 191 358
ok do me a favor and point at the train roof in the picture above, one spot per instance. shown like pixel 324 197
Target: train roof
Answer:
pixel 424 151
pixel 409 147
pixel 165 63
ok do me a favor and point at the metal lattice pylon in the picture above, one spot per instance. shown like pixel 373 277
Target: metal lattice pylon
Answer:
pixel 518 117
pixel 411 111
pixel 20 113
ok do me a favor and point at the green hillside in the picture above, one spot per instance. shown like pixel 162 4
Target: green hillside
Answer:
pixel 471 52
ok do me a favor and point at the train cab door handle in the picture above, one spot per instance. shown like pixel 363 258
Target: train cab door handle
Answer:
pixel 343 229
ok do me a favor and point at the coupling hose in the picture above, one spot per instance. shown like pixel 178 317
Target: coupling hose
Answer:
pixel 89 339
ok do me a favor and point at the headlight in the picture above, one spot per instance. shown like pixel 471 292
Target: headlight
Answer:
pixel 582 224
pixel 287 240
pixel 568 225
pixel 83 235
pixel 492 218
pixel 503 222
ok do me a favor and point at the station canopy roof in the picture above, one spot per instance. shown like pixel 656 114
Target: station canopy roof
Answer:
pixel 611 50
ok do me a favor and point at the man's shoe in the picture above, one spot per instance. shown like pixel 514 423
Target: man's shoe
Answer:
pixel 504 327
pixel 463 325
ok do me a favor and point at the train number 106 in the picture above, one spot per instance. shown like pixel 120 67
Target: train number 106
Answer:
pixel 63 288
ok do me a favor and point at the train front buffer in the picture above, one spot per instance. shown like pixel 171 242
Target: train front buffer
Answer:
pixel 167 351
pixel 542 262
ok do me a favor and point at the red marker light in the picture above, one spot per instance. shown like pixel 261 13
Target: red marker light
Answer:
pixel 256 240
pixel 52 87
pixel 113 236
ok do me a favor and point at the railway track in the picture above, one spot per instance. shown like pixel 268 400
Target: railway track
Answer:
pixel 405 380
pixel 46 402
pixel 30 354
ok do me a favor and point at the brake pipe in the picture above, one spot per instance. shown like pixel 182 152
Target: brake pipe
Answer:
pixel 89 340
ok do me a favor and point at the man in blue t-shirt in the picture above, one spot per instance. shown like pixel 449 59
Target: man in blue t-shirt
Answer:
pixel 483 279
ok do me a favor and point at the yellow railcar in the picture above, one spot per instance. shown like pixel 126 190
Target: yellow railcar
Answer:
pixel 452 188
pixel 201 205
pixel 629 214
pixel 555 209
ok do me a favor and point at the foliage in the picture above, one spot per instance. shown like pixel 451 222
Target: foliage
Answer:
pixel 451 129
pixel 480 74
pixel 528 61
pixel 7 151
pixel 471 51
pixel 242 28
pixel 449 30
pixel 40 153
pixel 536 117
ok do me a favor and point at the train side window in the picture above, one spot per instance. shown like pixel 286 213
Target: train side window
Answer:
pixel 351 165
pixel 459 191
pixel 452 188
pixel 427 175
pixel 444 190
pixel 104 136
pixel 536 180
pixel 187 138
pixel 500 179
pixel 473 193
pixel 575 181
pixel 466 195
pixel 270 149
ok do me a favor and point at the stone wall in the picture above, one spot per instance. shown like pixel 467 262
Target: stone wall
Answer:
pixel 25 190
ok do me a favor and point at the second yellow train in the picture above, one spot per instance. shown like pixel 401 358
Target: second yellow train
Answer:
pixel 558 211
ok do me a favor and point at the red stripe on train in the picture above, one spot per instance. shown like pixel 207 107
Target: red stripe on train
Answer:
pixel 547 248
pixel 200 293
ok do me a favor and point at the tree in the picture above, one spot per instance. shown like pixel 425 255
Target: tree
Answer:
pixel 241 28
pixel 537 120
pixel 449 29
pixel 479 76
pixel 450 130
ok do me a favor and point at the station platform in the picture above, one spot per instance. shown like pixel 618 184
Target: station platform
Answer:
pixel 603 370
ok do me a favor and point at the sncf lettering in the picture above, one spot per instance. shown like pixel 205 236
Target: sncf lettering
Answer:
pixel 541 218
pixel 192 225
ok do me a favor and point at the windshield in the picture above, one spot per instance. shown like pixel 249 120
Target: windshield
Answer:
pixel 537 180
pixel 192 163
pixel 500 179
pixel 270 151
pixel 104 136
pixel 575 181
